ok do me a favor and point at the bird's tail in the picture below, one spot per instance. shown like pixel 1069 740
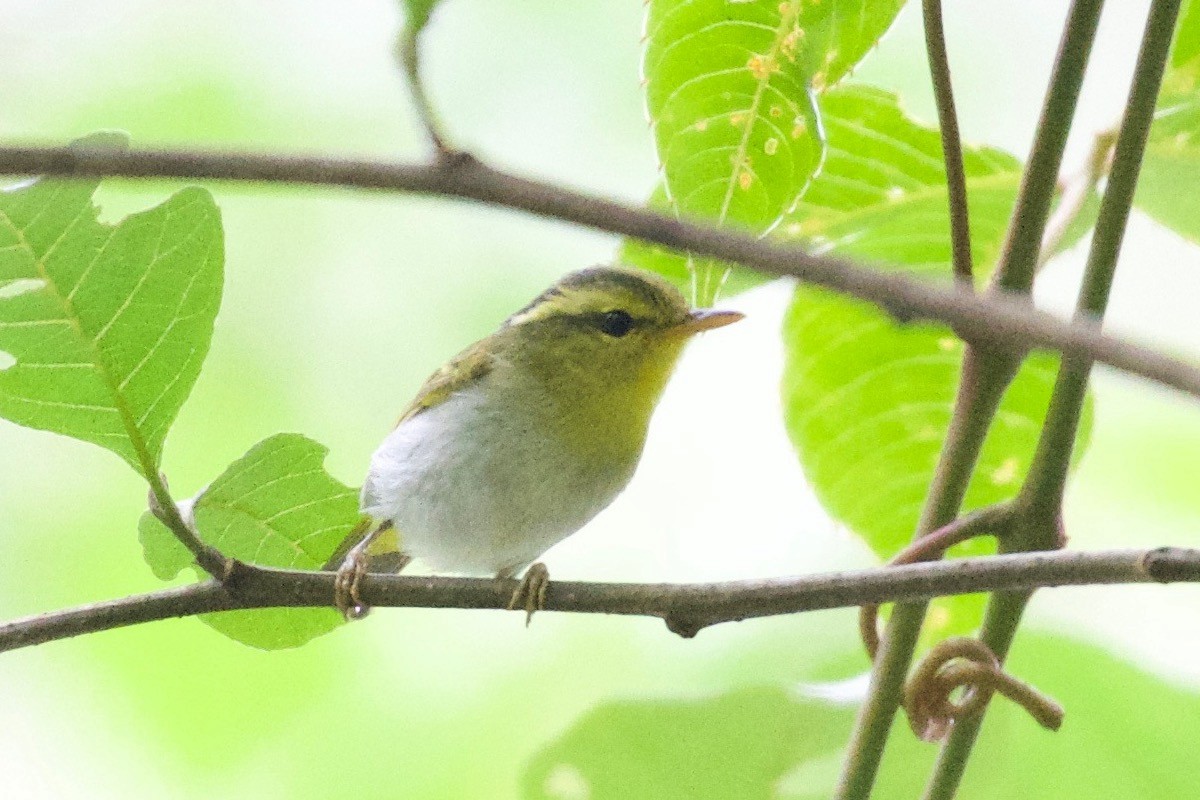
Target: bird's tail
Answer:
pixel 384 546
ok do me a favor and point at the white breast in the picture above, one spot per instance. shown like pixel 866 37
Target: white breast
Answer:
pixel 478 492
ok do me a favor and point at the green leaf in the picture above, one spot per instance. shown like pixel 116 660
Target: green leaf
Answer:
pixel 165 554
pixel 868 402
pixel 1171 165
pixel 677 266
pixel 278 507
pixel 735 125
pixel 738 745
pixel 730 90
pixel 418 12
pixel 1128 735
pixel 103 328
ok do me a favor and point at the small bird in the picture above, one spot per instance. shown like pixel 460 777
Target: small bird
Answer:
pixel 526 435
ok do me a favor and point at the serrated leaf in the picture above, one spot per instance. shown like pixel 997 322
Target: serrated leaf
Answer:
pixel 277 507
pixel 104 327
pixel 867 402
pixel 729 90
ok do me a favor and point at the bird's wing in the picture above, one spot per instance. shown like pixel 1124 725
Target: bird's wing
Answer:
pixel 466 368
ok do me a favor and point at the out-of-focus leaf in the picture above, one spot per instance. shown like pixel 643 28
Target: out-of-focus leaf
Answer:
pixel 1127 734
pixel 1171 166
pixel 868 402
pixel 278 507
pixel 730 89
pixel 103 328
pixel 738 745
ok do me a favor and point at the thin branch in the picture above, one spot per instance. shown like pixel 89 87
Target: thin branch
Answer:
pixel 1001 320
pixel 956 179
pixel 687 608
pixel 1018 262
pixel 408 53
pixel 1041 496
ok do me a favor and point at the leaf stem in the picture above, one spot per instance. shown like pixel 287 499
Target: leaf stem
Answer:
pixel 956 179
pixel 210 559
pixel 408 54
pixel 700 605
pixel 1018 262
pixel 1041 497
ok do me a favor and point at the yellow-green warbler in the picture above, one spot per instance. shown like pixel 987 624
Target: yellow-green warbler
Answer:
pixel 526 435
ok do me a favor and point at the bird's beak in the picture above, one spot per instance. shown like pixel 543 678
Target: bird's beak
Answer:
pixel 705 319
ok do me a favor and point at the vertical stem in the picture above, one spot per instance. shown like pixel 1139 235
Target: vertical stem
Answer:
pixel 983 384
pixel 956 179
pixel 986 375
pixel 1018 262
pixel 1041 496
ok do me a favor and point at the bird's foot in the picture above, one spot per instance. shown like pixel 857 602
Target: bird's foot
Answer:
pixel 531 593
pixel 346 583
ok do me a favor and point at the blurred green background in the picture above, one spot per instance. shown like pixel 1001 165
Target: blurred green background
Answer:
pixel 336 307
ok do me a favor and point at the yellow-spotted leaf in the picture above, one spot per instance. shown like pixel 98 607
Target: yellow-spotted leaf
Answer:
pixel 277 507
pixel 867 401
pixel 103 328
pixel 731 92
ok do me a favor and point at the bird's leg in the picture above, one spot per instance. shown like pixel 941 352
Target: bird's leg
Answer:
pixel 531 593
pixel 354 566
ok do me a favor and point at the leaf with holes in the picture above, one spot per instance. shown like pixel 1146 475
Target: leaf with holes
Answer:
pixel 277 507
pixel 867 402
pixel 104 327
pixel 730 91
pixel 1171 167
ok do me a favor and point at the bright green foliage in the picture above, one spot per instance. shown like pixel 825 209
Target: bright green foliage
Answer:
pixel 738 745
pixel 731 91
pixel 103 328
pixel 278 507
pixel 678 267
pixel 867 401
pixel 1126 735
pixel 1172 160
pixel 418 12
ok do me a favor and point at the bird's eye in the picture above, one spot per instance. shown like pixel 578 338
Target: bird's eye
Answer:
pixel 616 323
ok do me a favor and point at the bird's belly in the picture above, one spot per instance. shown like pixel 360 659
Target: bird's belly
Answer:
pixel 475 492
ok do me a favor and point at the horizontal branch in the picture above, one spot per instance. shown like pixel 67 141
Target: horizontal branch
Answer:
pixel 996 319
pixel 686 608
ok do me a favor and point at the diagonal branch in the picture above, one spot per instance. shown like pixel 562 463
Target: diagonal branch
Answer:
pixel 687 608
pixel 1001 320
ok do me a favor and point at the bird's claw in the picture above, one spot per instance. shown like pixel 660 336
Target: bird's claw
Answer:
pixel 346 584
pixel 531 593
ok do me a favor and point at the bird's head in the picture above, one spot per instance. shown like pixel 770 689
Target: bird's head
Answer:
pixel 608 334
